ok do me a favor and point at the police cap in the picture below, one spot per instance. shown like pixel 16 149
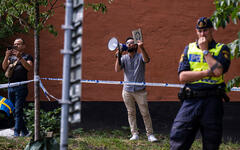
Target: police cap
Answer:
pixel 204 23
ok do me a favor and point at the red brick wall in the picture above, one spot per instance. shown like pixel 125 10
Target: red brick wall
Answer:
pixel 167 27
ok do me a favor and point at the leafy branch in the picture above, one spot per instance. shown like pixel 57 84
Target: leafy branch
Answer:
pixel 228 11
pixel 23 11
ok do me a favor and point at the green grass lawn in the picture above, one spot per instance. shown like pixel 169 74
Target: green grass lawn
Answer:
pixel 118 140
pixel 110 140
pixel 13 144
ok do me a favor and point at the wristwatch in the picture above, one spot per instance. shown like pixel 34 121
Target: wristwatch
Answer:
pixel 205 52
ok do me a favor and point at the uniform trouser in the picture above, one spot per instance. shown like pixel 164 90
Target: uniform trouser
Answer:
pixel 140 97
pixel 18 96
pixel 204 114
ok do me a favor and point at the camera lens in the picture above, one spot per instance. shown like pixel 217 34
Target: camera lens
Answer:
pixel 10 47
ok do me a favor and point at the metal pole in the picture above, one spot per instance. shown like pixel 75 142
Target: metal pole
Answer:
pixel 67 51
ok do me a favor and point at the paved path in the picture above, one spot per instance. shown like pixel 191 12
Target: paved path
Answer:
pixel 7 133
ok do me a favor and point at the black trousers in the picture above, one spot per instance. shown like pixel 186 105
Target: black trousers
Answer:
pixel 204 114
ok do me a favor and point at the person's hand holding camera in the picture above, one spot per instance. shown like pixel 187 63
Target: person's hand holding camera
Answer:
pixel 18 54
pixel 8 52
pixel 12 50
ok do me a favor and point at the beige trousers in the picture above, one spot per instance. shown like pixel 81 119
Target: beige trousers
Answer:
pixel 140 97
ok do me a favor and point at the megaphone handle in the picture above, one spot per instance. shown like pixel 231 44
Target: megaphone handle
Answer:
pixel 119 55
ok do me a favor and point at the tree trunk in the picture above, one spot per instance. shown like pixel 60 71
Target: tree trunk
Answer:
pixel 36 74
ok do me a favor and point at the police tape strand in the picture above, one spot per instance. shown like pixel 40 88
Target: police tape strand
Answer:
pixel 106 82
pixel 123 82
pixel 132 83
pixel 6 85
pixel 47 94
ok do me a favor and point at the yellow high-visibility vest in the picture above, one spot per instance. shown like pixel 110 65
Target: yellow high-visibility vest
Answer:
pixel 198 63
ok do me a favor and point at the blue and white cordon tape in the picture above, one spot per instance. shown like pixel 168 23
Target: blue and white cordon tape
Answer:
pixel 47 94
pixel 132 83
pixel 6 85
pixel 123 82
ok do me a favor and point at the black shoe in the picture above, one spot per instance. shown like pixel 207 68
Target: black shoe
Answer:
pixel 16 134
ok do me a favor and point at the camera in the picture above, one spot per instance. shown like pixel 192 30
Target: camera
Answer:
pixel 11 47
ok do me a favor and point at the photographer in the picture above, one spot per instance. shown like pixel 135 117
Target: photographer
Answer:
pixel 18 94
pixel 133 64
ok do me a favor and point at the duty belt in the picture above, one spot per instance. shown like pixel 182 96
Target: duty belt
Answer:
pixel 187 93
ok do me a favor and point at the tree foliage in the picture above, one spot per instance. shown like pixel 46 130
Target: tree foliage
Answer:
pixel 228 11
pixel 18 16
pixel 6 31
pixel 98 6
pixel 22 12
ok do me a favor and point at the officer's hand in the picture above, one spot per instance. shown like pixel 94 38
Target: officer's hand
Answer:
pixel 210 73
pixel 203 43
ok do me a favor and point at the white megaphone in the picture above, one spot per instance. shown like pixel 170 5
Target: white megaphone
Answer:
pixel 113 44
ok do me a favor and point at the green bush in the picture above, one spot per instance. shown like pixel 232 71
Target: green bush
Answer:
pixel 49 121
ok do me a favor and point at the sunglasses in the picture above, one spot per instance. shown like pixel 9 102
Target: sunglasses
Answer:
pixel 130 42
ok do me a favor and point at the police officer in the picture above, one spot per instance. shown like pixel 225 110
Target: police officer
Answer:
pixel 201 68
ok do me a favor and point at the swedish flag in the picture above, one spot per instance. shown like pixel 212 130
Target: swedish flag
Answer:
pixel 6 106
